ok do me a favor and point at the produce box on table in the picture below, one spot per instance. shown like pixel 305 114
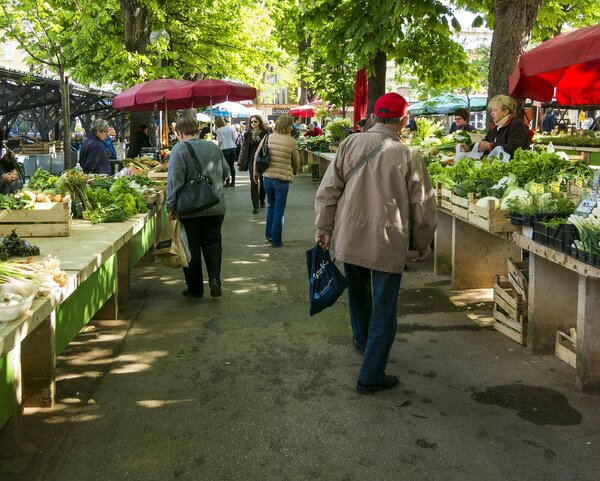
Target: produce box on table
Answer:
pixel 489 218
pixel 46 219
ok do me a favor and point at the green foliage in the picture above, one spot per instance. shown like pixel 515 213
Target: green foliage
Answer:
pixel 415 34
pixel 333 82
pixel 337 129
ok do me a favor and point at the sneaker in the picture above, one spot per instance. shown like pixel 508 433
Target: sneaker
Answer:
pixel 215 287
pixel 390 383
pixel 187 293
pixel 255 211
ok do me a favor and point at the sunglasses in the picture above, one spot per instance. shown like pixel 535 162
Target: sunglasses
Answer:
pixel 254 121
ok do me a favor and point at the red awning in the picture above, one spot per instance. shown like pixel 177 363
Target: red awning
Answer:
pixel 569 63
pixel 150 95
pixel 305 111
pixel 211 91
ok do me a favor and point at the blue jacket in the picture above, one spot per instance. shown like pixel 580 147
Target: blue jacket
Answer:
pixel 92 156
pixel 110 148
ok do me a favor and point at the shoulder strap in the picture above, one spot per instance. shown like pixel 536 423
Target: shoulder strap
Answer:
pixel 362 162
pixel 193 154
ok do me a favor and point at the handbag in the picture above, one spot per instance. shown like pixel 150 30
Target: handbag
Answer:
pixel 325 281
pixel 262 156
pixel 196 195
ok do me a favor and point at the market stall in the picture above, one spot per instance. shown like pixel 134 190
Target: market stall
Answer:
pixel 97 260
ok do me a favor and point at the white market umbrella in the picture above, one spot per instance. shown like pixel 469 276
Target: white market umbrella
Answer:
pixel 231 109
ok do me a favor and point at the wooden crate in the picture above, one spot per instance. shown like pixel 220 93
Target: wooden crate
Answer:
pixel 445 198
pixel 510 311
pixel 564 347
pixel 518 276
pixel 491 219
pixel 460 206
pixel 157 175
pixel 46 219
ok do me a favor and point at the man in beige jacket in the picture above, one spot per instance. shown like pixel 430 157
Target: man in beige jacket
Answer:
pixel 373 197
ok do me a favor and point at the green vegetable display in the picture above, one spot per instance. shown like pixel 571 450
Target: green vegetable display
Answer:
pixel 115 205
pixel 44 181
pixel 10 202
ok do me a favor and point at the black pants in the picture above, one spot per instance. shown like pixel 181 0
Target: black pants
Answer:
pixel 257 193
pixel 231 158
pixel 204 238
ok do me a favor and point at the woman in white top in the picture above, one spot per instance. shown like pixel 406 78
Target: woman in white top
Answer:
pixel 226 137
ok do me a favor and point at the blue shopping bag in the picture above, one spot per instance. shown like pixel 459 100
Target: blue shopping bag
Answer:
pixel 326 282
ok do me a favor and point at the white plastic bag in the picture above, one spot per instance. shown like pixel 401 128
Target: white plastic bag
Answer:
pixel 500 154
pixel 473 154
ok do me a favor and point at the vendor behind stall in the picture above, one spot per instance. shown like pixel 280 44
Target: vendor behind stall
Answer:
pixel 139 140
pixel 93 157
pixel 11 179
pixel 509 132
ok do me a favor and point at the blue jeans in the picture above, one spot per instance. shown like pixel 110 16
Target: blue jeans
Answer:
pixel 372 299
pixel 277 192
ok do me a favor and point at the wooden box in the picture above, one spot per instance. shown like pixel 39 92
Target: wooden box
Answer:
pixel 46 219
pixel 460 206
pixel 510 311
pixel 491 219
pixel 564 348
pixel 157 175
pixel 518 276
pixel 445 198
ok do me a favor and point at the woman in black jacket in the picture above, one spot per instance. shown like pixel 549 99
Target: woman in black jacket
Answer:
pixel 255 132
pixel 509 133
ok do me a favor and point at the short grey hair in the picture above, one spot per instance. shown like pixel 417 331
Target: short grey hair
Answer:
pixel 394 120
pixel 99 125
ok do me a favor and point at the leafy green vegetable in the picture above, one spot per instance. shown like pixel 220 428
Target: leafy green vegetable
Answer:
pixel 12 245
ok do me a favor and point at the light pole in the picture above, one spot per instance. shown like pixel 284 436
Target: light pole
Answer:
pixel 161 39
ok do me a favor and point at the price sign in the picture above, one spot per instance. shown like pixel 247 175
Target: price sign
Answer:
pixel 555 187
pixel 536 189
pixel 587 205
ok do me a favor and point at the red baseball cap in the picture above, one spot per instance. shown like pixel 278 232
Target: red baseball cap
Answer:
pixel 391 105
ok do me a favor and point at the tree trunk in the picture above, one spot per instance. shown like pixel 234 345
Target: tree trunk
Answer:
pixel 513 22
pixel 376 81
pixel 136 18
pixel 302 46
pixel 66 117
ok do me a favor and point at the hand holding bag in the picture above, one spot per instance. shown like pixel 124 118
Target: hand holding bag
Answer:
pixel 262 156
pixel 196 195
pixel 326 282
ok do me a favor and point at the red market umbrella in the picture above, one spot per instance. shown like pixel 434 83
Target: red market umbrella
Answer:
pixel 209 91
pixel 568 63
pixel 361 89
pixel 305 111
pixel 151 95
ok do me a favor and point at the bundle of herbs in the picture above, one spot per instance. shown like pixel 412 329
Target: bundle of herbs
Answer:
pixel 14 246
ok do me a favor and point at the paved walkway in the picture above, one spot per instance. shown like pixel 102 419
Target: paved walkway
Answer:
pixel 248 387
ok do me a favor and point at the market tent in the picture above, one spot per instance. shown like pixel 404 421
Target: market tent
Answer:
pixel 446 104
pixel 151 95
pixel 231 109
pixel 209 91
pixel 305 111
pixel 568 64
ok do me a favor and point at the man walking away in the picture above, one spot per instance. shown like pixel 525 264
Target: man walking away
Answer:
pixel 376 193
